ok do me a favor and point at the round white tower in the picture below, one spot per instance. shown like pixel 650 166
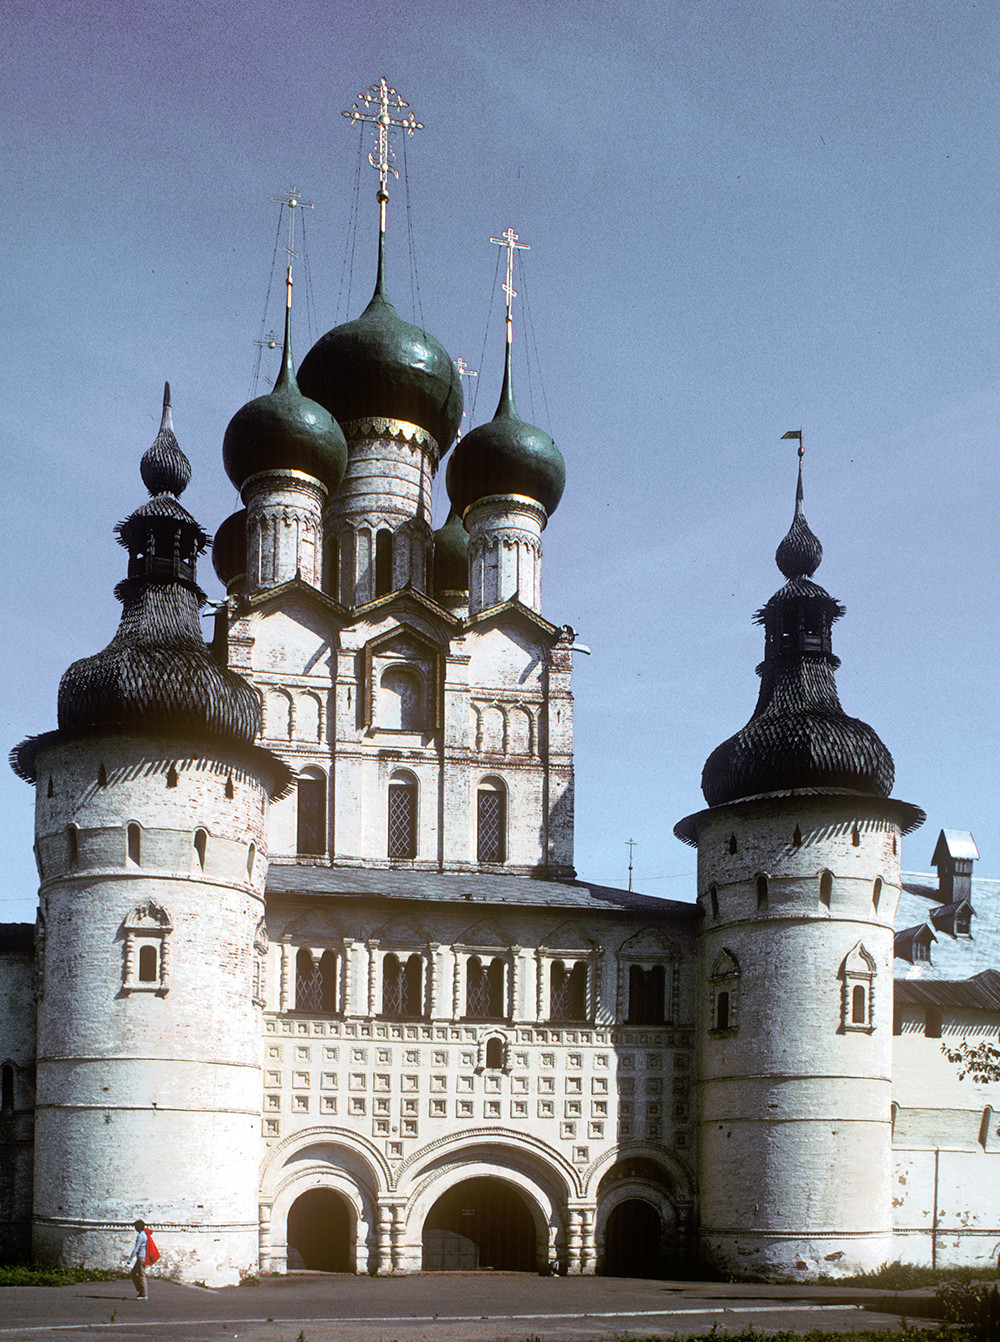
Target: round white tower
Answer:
pixel 150 837
pixel 798 879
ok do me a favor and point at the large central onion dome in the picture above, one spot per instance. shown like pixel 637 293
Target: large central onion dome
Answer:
pixel 379 366
pixel 285 431
pixel 798 736
pixel 506 456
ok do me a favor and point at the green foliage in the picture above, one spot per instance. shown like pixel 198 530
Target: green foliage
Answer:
pixel 34 1274
pixel 980 1061
pixel 907 1276
pixel 974 1307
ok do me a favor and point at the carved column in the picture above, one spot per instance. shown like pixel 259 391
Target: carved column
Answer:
pixel 285 991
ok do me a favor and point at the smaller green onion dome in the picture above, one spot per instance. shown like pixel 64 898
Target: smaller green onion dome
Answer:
pixel 451 556
pixel 229 548
pixel 285 431
pixel 379 366
pixel 506 456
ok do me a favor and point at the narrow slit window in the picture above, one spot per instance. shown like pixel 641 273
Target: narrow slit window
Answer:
pixel 201 846
pixel 149 968
pixel 134 844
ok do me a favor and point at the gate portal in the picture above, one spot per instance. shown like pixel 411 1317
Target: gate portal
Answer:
pixel 632 1240
pixel 319 1232
pixel 481 1223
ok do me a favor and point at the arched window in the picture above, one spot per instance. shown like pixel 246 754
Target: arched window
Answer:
pixel 251 859
pixel 402 816
pixel 568 991
pixel 148 964
pixel 7 1087
pixel 484 989
pixel 713 897
pixel 826 889
pixel 201 846
pixel 877 893
pixel 316 982
pixel 134 844
pixel 494 1054
pixel 73 845
pixel 722 1009
pixel 858 973
pixel 402 984
pixel 310 840
pixel 383 562
pixel 760 886
pixel 859 1005
pixel 491 821
pixel 645 995
pixel 401 700
pixel 725 983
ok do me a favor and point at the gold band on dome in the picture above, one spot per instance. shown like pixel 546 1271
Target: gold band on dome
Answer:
pixel 521 500
pixel 377 426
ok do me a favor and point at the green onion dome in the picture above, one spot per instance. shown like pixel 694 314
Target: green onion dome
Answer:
pixel 506 456
pixel 229 548
pixel 285 431
pixel 380 366
pixel 451 556
pixel 799 736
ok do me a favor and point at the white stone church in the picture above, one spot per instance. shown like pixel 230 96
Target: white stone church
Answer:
pixel 313 982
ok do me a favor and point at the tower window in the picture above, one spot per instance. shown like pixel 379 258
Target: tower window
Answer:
pixel 172 776
pixel 724 984
pixel 713 896
pixel 7 1087
pixel 760 886
pixel 858 973
pixel 251 859
pixel 201 846
pixel 826 889
pixel 797 838
pixel 877 893
pixel 73 845
pixel 494 1054
pixel 491 822
pixel 859 1005
pixel 732 845
pixel 722 1009
pixel 383 563
pixel 134 835
pixel 402 840
pixel 146 959
pixel 311 827
pixel 148 967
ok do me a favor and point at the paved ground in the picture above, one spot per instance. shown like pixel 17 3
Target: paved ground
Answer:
pixel 445 1307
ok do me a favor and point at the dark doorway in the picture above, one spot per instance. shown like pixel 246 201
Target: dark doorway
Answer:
pixel 482 1223
pixel 632 1240
pixel 319 1232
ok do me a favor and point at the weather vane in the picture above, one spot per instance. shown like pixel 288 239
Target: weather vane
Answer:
pixel 795 433
pixel 377 103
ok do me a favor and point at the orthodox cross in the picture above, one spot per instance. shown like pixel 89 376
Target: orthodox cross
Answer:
pixel 381 97
pixel 294 201
pixel 464 371
pixel 631 845
pixel 795 433
pixel 509 240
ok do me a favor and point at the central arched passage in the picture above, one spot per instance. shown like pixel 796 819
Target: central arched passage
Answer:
pixel 632 1240
pixel 481 1223
pixel 319 1232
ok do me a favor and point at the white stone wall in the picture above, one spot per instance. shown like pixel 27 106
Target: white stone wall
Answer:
pixel 794 1155
pixel 390 1113
pixel 17 1052
pixel 149 1068
pixel 284 529
pixel 946 1147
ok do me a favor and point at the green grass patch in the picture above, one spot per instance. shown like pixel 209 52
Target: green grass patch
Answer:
pixel 36 1274
pixel 907 1277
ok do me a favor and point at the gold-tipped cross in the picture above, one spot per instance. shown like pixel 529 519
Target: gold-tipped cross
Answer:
pixel 509 240
pixel 294 201
pixel 464 371
pixel 382 97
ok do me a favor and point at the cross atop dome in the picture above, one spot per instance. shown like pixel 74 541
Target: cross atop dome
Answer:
pixel 377 102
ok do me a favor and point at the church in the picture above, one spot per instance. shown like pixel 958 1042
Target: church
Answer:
pixel 314 982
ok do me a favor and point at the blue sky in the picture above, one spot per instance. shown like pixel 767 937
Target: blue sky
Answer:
pixel 743 218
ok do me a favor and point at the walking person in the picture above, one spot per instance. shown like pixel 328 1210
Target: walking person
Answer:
pixel 138 1273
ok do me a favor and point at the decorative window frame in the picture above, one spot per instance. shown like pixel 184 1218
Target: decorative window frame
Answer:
pixel 724 978
pixel 497 786
pixel 147 925
pixel 424 659
pixel 857 971
pixel 485 1039
pixel 403 955
pixel 259 986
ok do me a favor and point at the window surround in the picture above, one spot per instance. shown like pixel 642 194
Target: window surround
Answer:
pixel 857 1003
pixel 146 929
pixel 724 984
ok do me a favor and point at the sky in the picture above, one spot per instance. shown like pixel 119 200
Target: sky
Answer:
pixel 743 217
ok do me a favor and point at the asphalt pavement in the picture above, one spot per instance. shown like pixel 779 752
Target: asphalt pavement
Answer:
pixel 440 1307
